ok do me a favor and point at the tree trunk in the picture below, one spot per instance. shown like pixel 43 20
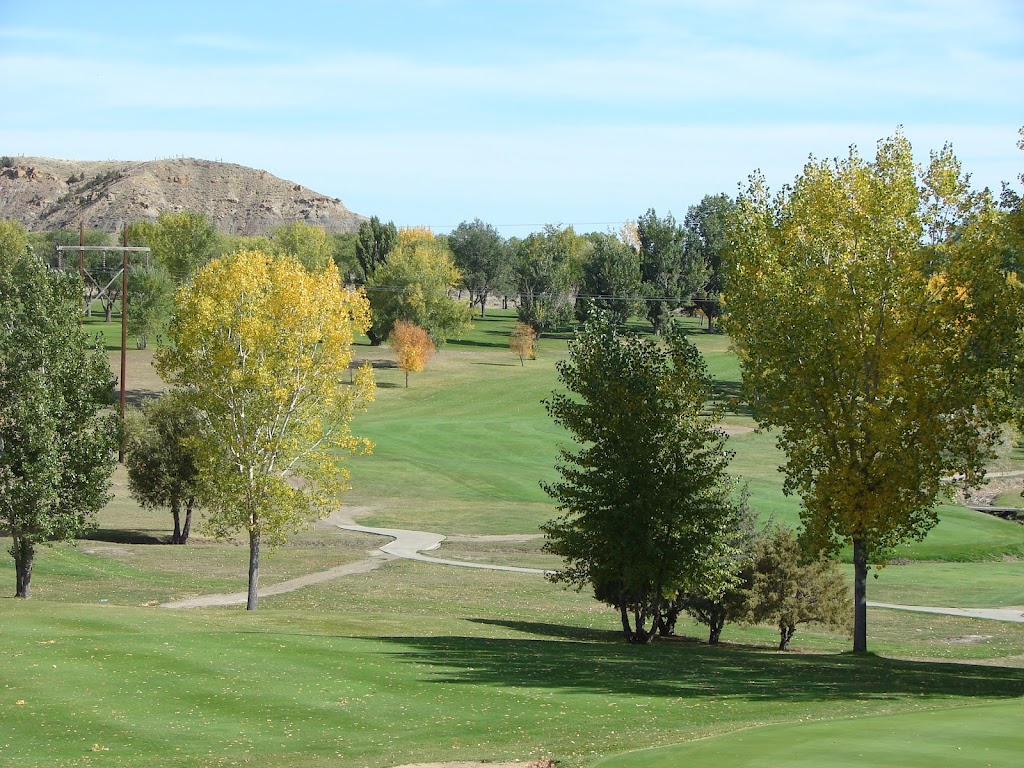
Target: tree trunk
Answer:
pixel 406 379
pixel 626 629
pixel 24 553
pixel 715 633
pixel 483 302
pixel 786 633
pixel 254 569
pixel 176 514
pixel 860 600
pixel 188 521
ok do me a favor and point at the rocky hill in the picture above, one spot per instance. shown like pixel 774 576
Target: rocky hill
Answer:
pixel 47 194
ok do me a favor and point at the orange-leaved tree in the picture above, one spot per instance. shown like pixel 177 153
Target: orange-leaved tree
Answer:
pixel 412 345
pixel 523 342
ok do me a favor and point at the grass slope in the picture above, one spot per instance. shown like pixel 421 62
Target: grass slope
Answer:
pixel 962 736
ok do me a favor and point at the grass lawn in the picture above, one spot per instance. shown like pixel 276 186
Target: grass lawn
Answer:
pixel 418 662
pixel 981 736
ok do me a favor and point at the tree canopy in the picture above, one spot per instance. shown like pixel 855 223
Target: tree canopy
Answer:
pixel 645 497
pixel 415 285
pixel 374 242
pixel 873 325
pixel 181 242
pixel 260 349
pixel 57 438
pixel 671 270
pixel 546 268
pixel 482 256
pixel 308 243
pixel 412 346
pixel 162 458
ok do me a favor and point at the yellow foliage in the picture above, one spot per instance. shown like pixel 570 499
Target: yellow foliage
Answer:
pixel 262 347
pixel 411 235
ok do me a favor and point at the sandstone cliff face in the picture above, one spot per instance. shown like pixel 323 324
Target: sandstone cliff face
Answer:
pixel 47 194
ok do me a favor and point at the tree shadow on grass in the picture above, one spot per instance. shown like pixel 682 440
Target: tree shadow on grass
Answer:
pixel 477 343
pixel 692 670
pixel 728 393
pixel 124 536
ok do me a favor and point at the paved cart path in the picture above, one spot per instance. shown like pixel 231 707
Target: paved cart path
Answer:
pixel 410 545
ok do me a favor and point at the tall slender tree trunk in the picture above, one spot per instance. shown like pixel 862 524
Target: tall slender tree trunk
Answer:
pixel 254 569
pixel 24 554
pixel 860 599
pixel 176 514
pixel 188 521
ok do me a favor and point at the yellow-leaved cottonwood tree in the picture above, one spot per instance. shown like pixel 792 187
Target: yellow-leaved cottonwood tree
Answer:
pixel 874 328
pixel 260 347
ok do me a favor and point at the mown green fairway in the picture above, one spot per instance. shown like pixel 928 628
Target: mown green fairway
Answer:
pixel 962 736
pixel 417 662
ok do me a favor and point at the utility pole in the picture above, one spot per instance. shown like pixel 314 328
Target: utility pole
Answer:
pixel 124 333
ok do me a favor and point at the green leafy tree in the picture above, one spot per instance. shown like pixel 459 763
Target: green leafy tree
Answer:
pixel 672 271
pixel 645 497
pixel 261 348
pixel 708 226
pixel 343 251
pixel 788 591
pixel 547 267
pixel 374 242
pixel 162 459
pixel 57 438
pixel 306 242
pixel 482 256
pixel 611 279
pixel 151 297
pixel 729 599
pixel 415 285
pixel 181 242
pixel 873 324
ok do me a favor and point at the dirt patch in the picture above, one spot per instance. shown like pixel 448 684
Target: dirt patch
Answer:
pixel 109 551
pixel 969 639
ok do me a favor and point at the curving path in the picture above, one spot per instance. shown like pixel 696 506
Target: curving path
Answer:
pixel 410 545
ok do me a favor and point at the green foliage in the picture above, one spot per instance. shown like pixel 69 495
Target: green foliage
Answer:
pixel 305 242
pixel 730 598
pixel 56 439
pixel 343 251
pixel 180 242
pixel 708 226
pixel 374 242
pixel 161 445
pixel 414 285
pixel 646 496
pixel 482 256
pixel 671 270
pixel 151 303
pixel 788 591
pixel 886 374
pixel 546 270
pixel 611 279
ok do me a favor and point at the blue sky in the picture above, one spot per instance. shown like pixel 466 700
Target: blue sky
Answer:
pixel 518 113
